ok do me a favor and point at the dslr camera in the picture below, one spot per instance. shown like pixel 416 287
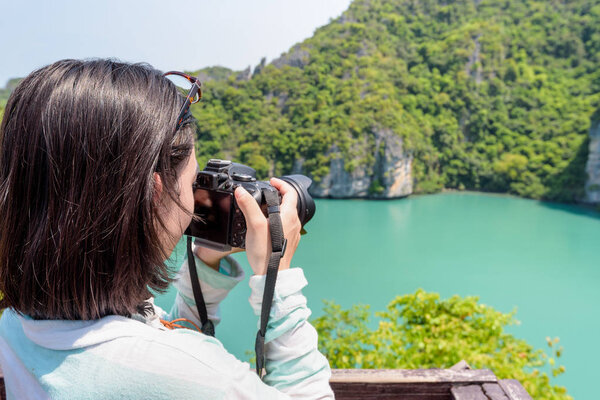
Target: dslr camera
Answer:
pixel 218 222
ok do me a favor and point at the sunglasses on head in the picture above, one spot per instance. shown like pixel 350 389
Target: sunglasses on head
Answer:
pixel 189 86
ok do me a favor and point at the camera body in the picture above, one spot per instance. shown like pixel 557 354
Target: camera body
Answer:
pixel 219 223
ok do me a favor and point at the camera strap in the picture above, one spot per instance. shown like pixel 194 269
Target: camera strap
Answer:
pixel 208 328
pixel 278 244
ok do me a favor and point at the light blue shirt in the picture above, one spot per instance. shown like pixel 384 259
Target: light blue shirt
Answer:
pixel 137 358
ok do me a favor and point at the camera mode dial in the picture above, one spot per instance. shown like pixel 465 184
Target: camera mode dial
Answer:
pixel 243 177
pixel 214 164
pixel 218 163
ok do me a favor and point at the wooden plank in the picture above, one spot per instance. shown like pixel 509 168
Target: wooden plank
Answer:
pixel 494 391
pixel 410 396
pixel 471 392
pixel 405 387
pixel 514 390
pixel 385 391
pixel 412 375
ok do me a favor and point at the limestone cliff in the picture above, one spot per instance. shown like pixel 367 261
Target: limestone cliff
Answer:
pixel 390 176
pixel 297 57
pixel 592 187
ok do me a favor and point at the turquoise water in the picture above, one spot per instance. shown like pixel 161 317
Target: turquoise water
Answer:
pixel 541 258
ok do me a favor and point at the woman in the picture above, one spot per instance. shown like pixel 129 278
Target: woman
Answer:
pixel 95 192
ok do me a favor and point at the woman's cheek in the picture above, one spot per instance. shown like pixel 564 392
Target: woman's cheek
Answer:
pixel 188 203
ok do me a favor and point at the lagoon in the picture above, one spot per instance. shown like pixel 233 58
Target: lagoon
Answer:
pixel 541 258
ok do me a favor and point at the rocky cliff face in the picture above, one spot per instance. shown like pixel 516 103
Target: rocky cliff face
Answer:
pixel 296 57
pixel 389 177
pixel 592 187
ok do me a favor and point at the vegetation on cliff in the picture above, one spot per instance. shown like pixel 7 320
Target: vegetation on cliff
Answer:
pixel 420 330
pixel 5 93
pixel 493 96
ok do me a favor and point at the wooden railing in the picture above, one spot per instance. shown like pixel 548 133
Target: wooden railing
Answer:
pixel 456 383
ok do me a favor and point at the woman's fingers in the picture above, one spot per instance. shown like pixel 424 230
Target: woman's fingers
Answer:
pixel 258 241
pixel 289 218
pixel 258 245
pixel 289 197
pixel 250 209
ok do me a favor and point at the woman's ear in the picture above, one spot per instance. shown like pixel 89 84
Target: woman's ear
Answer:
pixel 158 189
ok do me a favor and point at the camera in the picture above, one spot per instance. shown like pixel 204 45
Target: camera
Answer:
pixel 219 223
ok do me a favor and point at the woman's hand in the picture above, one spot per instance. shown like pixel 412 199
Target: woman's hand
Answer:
pixel 258 239
pixel 211 257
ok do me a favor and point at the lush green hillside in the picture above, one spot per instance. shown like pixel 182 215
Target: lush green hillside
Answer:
pixel 487 95
pixel 5 93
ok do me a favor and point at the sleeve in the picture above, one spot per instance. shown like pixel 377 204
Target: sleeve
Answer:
pixel 215 287
pixel 294 364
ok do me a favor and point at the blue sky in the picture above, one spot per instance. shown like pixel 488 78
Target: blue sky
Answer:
pixel 167 34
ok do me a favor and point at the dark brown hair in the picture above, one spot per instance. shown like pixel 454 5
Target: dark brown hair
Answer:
pixel 79 144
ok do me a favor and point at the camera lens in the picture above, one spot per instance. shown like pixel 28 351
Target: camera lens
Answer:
pixel 306 204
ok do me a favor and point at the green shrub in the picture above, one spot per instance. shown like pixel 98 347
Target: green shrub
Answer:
pixel 422 331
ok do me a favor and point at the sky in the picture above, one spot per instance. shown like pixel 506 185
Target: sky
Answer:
pixel 170 35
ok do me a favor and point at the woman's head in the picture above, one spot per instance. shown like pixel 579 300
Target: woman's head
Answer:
pixel 90 168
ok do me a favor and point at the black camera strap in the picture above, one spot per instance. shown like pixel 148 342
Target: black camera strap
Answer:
pixel 208 328
pixel 278 244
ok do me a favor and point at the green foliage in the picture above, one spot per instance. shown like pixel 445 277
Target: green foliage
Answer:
pixel 492 96
pixel 376 187
pixel 421 330
pixel 5 93
pixel 212 73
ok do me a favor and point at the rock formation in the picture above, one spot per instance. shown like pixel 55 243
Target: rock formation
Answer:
pixel 592 187
pixel 389 177
pixel 296 57
pixel 244 75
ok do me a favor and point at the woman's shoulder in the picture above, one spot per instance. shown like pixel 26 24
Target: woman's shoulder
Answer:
pixel 110 335
pixel 118 349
